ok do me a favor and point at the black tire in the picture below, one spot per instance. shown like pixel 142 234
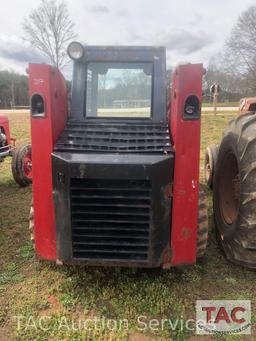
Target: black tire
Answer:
pixel 210 161
pixel 18 171
pixel 202 228
pixel 234 195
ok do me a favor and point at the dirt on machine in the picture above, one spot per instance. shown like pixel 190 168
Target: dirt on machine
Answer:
pixel 116 177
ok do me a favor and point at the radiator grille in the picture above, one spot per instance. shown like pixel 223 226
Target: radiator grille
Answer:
pixel 86 137
pixel 110 219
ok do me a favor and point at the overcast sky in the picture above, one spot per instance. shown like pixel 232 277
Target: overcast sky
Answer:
pixel 191 30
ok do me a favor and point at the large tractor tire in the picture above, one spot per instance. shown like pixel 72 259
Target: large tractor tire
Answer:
pixel 234 191
pixel 22 165
pixel 210 161
pixel 202 227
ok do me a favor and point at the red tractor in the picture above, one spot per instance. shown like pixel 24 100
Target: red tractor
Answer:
pixel 230 170
pixel 21 157
pixel 247 104
pixel 116 178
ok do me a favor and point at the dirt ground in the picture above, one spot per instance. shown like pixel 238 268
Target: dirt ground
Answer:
pixel 42 301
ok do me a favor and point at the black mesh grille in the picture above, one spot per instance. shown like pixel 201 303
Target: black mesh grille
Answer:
pixel 81 136
pixel 110 219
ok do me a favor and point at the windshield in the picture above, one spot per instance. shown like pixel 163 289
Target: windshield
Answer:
pixel 118 90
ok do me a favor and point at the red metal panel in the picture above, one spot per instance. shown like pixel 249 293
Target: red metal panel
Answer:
pixel 187 81
pixel 50 84
pixel 4 122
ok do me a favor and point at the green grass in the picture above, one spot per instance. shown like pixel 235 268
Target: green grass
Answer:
pixel 29 287
pixel 221 104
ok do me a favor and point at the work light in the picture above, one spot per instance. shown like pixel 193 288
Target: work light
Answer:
pixel 75 50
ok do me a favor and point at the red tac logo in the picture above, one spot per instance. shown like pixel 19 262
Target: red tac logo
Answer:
pixel 223 315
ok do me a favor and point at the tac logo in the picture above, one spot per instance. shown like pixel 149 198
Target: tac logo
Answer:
pixel 223 317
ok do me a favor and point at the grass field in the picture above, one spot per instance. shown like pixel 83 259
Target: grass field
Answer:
pixel 221 104
pixel 62 295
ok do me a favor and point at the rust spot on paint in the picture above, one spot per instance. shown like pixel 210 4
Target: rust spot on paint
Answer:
pixel 186 233
pixel 182 192
pixel 168 191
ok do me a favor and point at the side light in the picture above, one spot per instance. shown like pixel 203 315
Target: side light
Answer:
pixel 191 108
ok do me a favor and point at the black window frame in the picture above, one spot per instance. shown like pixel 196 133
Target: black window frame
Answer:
pixel 125 54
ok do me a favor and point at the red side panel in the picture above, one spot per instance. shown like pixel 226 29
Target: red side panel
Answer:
pixel 187 81
pixel 48 82
pixel 4 122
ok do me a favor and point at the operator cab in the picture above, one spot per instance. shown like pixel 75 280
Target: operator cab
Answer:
pixel 127 83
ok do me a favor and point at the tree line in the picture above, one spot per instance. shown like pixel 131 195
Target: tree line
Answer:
pixel 13 90
pixel 129 85
pixel 234 68
pixel 49 29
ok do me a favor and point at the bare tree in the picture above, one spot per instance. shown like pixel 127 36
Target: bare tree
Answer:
pixel 49 29
pixel 241 47
pixel 233 84
pixel 218 71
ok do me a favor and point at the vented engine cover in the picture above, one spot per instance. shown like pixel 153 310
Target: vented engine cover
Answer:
pixel 112 209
